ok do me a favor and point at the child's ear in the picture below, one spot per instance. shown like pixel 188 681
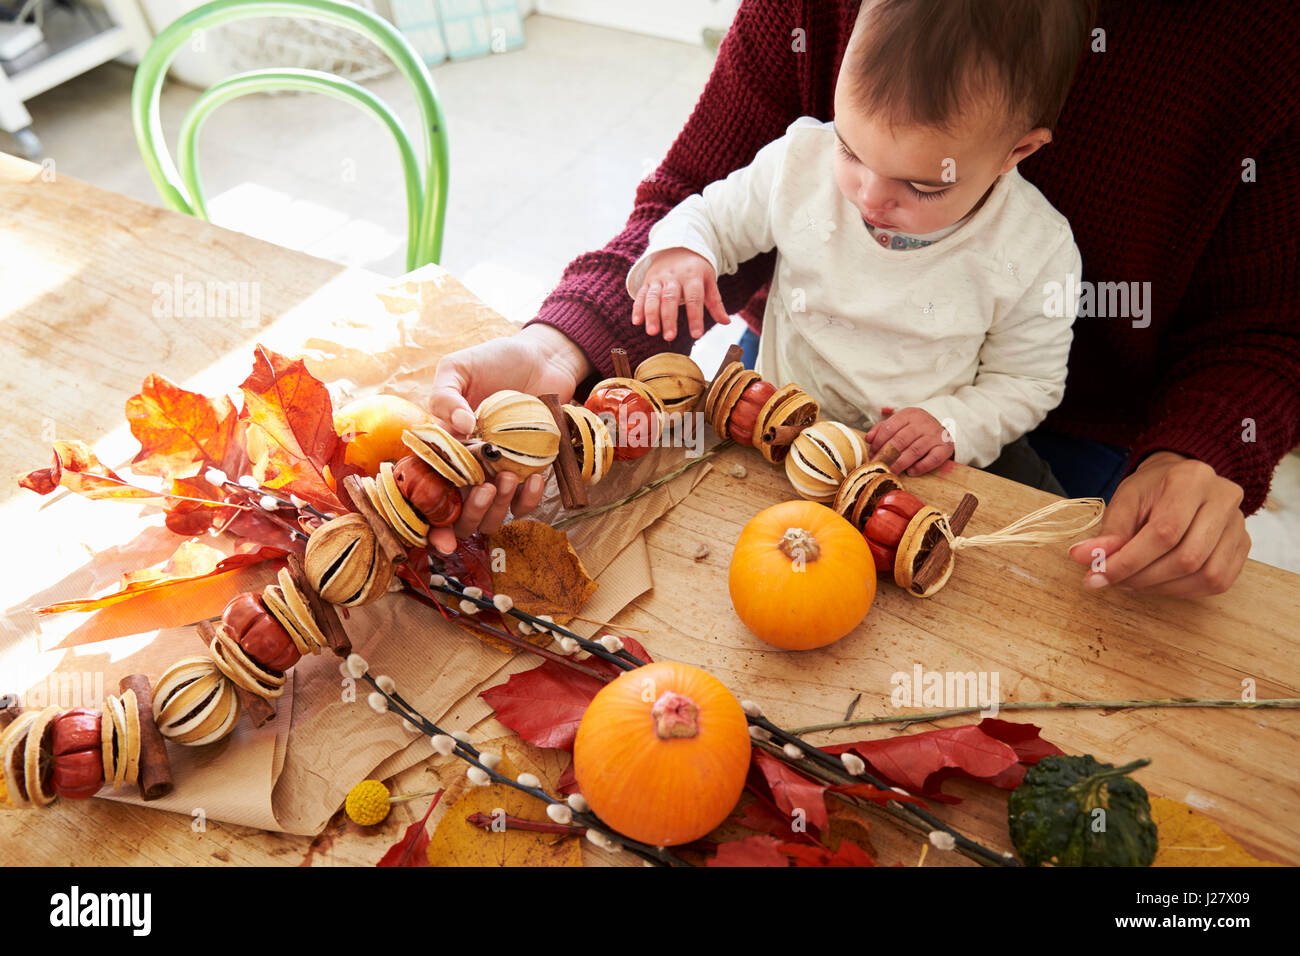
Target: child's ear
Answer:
pixel 1027 145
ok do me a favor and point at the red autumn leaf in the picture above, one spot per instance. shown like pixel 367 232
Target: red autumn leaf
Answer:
pixel 751 851
pixel 875 794
pixel 77 468
pixel 849 853
pixel 762 815
pixel 1024 739
pixel 150 582
pixel 290 431
pixel 803 854
pixel 568 782
pixel 185 510
pixel 469 563
pixel 410 850
pixel 182 432
pixel 544 705
pixel 920 762
pixel 253 528
pixel 792 791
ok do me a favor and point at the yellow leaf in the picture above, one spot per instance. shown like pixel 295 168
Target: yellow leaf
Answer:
pixel 541 572
pixel 456 842
pixel 1189 839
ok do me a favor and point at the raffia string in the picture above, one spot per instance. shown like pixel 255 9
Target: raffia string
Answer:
pixel 1045 526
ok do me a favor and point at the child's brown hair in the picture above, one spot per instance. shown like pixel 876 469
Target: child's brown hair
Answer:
pixel 919 61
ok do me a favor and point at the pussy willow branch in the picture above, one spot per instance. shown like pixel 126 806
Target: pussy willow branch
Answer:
pixel 623 658
pixel 827 762
pixel 502 635
pixel 904 720
pixel 471 755
pixel 834 766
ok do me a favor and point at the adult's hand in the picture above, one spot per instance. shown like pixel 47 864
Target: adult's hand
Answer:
pixel 536 360
pixel 1173 527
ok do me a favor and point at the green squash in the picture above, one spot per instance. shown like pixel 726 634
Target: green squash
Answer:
pixel 1053 820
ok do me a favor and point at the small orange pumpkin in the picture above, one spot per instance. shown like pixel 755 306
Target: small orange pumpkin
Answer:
pixel 662 753
pixel 801 576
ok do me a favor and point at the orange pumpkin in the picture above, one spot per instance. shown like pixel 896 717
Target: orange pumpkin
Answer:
pixel 662 753
pixel 801 576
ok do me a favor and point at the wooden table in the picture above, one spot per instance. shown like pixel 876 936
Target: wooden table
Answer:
pixel 79 334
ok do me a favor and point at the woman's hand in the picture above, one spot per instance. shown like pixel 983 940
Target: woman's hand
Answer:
pixel 1173 527
pixel 676 277
pixel 923 443
pixel 537 360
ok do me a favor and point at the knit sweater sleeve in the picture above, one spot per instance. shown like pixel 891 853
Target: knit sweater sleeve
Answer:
pixel 749 100
pixel 728 223
pixel 1231 388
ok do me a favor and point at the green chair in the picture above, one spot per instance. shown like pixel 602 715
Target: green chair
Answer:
pixel 425 173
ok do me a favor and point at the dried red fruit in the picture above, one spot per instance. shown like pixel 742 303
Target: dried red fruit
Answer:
pixel 257 631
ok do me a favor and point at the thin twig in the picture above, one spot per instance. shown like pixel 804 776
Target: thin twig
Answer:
pixel 1282 703
pixel 645 489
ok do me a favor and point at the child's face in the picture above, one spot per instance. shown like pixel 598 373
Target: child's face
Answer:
pixel 918 179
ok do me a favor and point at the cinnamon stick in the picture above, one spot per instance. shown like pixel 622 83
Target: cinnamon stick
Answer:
pixel 938 557
pixel 734 353
pixel 888 455
pixel 10 707
pixel 259 709
pixel 384 534
pixel 327 619
pixel 573 491
pixel 155 778
pixel 622 364
pixel 781 434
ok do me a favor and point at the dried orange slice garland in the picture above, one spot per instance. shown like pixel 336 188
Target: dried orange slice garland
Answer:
pixel 350 560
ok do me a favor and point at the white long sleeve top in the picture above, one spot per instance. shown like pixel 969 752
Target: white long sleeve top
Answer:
pixel 966 328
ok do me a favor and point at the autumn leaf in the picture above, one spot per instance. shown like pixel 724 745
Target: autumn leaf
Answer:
pixel 151 582
pixel 411 850
pixel 469 563
pixel 793 791
pixel 290 431
pixel 758 850
pixel 78 469
pixel 1188 838
pixel 990 751
pixel 457 842
pixel 544 705
pixel 540 571
pixel 186 510
pixel 182 432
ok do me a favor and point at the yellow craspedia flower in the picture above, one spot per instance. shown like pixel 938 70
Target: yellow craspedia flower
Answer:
pixel 367 803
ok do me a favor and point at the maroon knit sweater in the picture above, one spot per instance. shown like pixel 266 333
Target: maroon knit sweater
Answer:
pixel 1147 165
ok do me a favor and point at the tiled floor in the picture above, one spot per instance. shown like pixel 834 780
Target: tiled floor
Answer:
pixel 547 145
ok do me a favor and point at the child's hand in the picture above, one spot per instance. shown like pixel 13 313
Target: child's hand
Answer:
pixel 922 442
pixel 676 277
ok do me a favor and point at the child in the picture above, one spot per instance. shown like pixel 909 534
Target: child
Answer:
pixel 914 264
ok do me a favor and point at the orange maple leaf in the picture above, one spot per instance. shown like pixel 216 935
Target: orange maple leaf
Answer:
pixel 181 432
pixel 290 433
